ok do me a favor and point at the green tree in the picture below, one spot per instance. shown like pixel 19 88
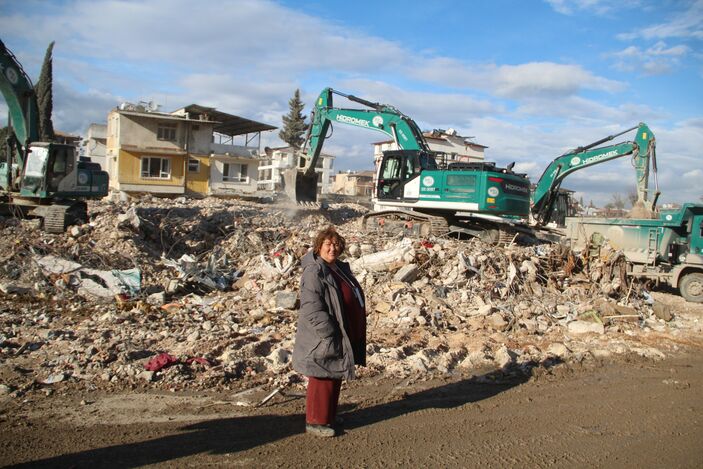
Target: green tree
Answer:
pixel 294 125
pixel 45 100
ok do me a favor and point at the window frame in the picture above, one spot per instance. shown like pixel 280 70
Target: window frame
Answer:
pixel 196 163
pixel 164 173
pixel 243 177
pixel 166 131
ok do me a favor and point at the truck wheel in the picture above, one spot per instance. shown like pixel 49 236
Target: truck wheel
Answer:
pixel 691 287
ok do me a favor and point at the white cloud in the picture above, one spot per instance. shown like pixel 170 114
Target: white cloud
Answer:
pixel 75 111
pixel 598 7
pixel 660 48
pixel 682 24
pixel 428 109
pixel 539 78
pixel 514 81
pixel 659 59
pixel 220 36
pixel 694 174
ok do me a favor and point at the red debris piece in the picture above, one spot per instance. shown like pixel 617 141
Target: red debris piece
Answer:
pixel 201 360
pixel 160 361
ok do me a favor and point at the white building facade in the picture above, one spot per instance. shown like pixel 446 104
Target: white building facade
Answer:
pixel 277 160
pixel 457 149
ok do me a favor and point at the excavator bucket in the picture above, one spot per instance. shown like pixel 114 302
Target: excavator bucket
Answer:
pixel 300 187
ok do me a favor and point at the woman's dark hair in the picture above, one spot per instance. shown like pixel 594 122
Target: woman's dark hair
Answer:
pixel 331 234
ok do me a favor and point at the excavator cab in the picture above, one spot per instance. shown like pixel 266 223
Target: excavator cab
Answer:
pixel 397 168
pixel 53 170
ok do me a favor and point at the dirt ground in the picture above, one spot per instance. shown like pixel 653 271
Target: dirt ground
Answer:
pixel 632 412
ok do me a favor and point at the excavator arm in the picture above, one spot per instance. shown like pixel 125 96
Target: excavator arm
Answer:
pixel 18 91
pixel 379 117
pixel 39 179
pixel 642 150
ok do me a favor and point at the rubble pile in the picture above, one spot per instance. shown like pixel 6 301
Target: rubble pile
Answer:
pixel 180 294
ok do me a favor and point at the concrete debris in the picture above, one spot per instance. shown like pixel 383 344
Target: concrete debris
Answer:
pixel 387 260
pixel 585 327
pixel 125 300
pixel 92 282
pixel 407 273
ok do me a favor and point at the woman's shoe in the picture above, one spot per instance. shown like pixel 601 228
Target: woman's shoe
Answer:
pixel 324 431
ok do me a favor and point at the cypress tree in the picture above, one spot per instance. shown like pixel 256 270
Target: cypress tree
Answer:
pixel 4 132
pixel 45 100
pixel 294 125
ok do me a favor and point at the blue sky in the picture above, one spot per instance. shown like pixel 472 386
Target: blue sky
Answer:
pixel 529 79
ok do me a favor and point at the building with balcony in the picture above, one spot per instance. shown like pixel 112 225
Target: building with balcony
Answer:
pixel 353 183
pixel 94 145
pixel 276 160
pixel 456 149
pixel 194 150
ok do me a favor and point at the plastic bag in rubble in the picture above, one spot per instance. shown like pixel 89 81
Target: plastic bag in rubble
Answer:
pixel 102 283
pixel 212 274
pixel 130 280
pixel 107 284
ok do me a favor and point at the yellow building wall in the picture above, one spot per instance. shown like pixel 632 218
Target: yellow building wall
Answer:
pixel 198 182
pixel 130 168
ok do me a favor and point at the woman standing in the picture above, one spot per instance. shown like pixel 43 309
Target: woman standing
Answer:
pixel 331 333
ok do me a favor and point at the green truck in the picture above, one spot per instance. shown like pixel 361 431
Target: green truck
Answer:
pixel 668 249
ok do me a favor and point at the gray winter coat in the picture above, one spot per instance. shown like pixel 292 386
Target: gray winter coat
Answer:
pixel 322 346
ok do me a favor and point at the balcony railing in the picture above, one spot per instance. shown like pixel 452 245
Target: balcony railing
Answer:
pixel 234 150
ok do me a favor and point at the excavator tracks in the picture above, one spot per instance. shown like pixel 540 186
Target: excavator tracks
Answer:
pixel 401 221
pixel 498 236
pixel 56 218
pixel 394 222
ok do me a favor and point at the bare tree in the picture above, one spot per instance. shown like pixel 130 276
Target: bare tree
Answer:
pixel 618 202
pixel 632 198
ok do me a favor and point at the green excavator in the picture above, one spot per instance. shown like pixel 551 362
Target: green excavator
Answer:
pixel 44 180
pixel 417 189
pixel 643 153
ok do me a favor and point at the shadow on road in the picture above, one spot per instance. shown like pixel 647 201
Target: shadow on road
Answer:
pixel 231 435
